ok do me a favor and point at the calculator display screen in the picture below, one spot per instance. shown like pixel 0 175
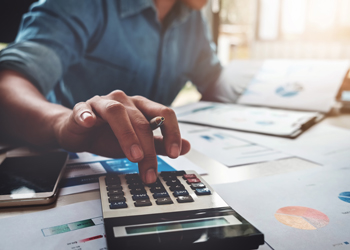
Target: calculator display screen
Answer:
pixel 177 226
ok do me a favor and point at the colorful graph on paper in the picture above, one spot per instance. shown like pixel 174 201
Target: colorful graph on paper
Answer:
pixel 302 217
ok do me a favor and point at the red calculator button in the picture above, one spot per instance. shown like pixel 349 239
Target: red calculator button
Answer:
pixel 195 180
pixel 189 176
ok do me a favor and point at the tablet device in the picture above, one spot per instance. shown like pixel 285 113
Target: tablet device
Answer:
pixel 31 179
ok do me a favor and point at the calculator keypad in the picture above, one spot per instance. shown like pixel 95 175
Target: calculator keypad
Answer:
pixel 141 193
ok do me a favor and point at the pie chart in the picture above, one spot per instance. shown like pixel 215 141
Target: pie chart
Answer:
pixel 345 196
pixel 302 217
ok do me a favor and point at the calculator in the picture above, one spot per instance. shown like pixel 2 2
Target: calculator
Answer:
pixel 179 211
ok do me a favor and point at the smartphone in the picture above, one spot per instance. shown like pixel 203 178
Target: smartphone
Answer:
pixel 31 179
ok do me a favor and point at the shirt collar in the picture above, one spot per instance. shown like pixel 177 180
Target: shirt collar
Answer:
pixel 132 7
pixel 183 14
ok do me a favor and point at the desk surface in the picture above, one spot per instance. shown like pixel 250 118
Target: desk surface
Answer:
pixel 217 172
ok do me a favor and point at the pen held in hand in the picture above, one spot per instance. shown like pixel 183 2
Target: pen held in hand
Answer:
pixel 156 122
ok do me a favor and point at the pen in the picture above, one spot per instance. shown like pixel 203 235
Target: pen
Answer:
pixel 156 122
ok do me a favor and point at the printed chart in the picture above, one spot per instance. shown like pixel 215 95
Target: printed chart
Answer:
pixel 296 84
pixel 302 217
pixel 77 226
pixel 303 210
pixel 224 147
pixel 278 122
pixel 345 196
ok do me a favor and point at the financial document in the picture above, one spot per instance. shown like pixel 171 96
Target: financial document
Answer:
pixel 73 227
pixel 323 144
pixel 296 84
pixel 223 146
pixel 303 210
pixel 261 120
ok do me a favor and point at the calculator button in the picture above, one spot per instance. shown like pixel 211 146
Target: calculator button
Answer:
pixel 164 200
pixel 134 180
pixel 177 187
pixel 195 180
pixel 197 185
pixel 138 191
pixel 160 195
pixel 189 176
pixel 114 187
pixel 177 173
pixel 110 180
pixel 183 199
pixel 116 198
pixel 116 205
pixel 173 182
pixel 169 177
pixel 155 184
pixel 180 193
pixel 130 176
pixel 157 189
pixel 202 191
pixel 135 185
pixel 140 197
pixel 141 203
pixel 115 192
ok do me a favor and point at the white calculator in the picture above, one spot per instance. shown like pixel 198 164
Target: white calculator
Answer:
pixel 179 211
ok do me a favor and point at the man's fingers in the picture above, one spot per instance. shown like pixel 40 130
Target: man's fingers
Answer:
pixel 160 148
pixel 148 165
pixel 83 115
pixel 170 128
pixel 114 112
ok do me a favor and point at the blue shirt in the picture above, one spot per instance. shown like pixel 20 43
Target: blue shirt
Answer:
pixel 75 49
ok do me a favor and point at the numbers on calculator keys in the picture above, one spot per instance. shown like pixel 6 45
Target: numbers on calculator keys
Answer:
pixel 141 195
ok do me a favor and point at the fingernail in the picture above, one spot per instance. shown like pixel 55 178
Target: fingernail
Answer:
pixel 175 150
pixel 136 151
pixel 85 115
pixel 151 176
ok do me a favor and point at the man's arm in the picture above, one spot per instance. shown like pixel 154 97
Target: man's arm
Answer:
pixel 114 125
pixel 25 113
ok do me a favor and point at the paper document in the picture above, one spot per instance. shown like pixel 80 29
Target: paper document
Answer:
pixel 296 84
pixel 73 227
pixel 244 118
pixel 83 170
pixel 303 210
pixel 223 146
pixel 324 144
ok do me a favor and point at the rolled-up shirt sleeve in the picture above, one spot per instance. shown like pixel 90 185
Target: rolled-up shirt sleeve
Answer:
pixel 53 36
pixel 38 63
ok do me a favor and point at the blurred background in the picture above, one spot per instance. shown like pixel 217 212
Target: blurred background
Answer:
pixel 250 29
pixel 276 29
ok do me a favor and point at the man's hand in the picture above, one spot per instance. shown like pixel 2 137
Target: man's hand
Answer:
pixel 114 125
pixel 117 125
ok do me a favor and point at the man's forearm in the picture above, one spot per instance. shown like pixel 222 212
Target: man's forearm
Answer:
pixel 25 114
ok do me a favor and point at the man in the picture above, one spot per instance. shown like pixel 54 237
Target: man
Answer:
pixel 93 60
